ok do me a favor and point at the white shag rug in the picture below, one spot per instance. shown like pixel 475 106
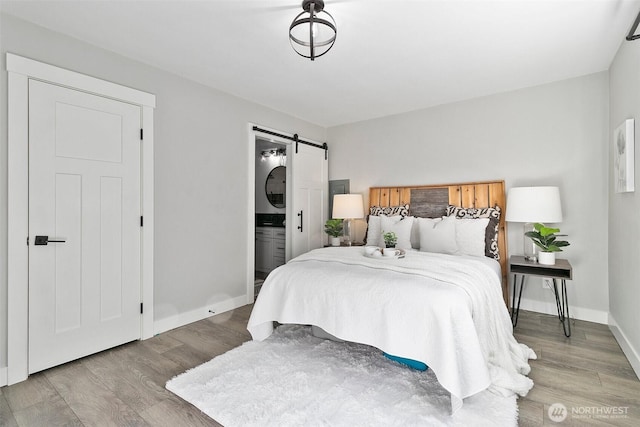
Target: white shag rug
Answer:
pixel 295 379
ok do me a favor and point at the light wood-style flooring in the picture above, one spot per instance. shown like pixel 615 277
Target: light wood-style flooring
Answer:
pixel 586 373
pixel 125 386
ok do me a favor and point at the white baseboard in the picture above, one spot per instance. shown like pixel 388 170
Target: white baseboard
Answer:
pixel 172 322
pixel 588 314
pixel 3 377
pixel 627 348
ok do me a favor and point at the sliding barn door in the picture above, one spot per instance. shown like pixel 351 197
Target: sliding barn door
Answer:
pixel 310 189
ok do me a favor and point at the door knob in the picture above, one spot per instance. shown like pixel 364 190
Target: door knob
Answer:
pixel 45 240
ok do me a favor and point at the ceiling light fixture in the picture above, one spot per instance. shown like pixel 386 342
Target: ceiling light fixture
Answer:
pixel 313 32
pixel 280 152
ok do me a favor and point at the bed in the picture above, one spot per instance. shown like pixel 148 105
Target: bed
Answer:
pixel 443 305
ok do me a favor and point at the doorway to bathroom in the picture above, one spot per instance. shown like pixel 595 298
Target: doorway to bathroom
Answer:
pixel 302 200
pixel 271 197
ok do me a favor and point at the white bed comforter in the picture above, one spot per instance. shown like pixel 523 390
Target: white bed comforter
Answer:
pixel 443 310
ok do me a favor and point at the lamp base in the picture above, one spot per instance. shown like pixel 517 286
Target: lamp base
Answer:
pixel 530 248
pixel 346 230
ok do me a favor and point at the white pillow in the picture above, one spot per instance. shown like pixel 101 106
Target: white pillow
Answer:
pixel 374 232
pixel 401 228
pixel 470 236
pixel 415 234
pixel 438 235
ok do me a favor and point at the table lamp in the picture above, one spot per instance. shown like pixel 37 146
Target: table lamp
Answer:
pixel 530 205
pixel 347 207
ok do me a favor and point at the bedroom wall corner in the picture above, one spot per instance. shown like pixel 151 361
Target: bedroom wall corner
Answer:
pixel 4 236
pixel 624 227
pixel 200 313
pixel 632 353
pixel 504 136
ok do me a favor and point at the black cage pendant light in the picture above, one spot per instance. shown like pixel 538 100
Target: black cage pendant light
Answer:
pixel 313 32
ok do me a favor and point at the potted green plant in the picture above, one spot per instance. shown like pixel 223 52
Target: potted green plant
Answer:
pixel 390 239
pixel 334 227
pixel 546 238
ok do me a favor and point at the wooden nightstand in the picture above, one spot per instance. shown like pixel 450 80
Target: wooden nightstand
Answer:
pixel 561 271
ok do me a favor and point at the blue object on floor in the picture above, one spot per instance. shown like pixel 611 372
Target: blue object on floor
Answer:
pixel 409 362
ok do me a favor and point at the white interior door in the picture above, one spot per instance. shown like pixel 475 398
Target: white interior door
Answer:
pixel 84 187
pixel 310 186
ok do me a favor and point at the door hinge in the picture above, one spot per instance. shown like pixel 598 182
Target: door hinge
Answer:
pixel 27 240
pixel 141 221
pixel 141 308
pixel 141 135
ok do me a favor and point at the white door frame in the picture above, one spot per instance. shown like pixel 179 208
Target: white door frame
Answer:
pixel 20 70
pixel 251 211
pixel 251 201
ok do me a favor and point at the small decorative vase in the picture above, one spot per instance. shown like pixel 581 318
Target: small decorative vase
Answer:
pixel 389 246
pixel 546 258
pixel 335 241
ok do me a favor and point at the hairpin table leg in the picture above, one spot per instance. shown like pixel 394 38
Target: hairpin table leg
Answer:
pixel 515 310
pixel 562 304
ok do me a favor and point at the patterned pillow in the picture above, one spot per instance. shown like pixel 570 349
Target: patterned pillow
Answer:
pixel 491 236
pixel 402 210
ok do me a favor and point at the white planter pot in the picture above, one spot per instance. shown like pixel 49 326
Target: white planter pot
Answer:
pixel 546 258
pixel 335 241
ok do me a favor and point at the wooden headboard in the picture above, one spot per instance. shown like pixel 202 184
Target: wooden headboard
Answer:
pixel 468 195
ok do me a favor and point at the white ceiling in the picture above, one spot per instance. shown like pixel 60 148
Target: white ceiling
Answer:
pixel 390 56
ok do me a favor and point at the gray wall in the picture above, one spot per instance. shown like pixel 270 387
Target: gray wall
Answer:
pixel 201 170
pixel 624 225
pixel 555 134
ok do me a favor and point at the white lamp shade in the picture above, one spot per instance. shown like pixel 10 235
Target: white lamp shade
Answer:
pixel 534 204
pixel 348 206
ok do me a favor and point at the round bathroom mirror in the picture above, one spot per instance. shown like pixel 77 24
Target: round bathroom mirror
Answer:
pixel 275 187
